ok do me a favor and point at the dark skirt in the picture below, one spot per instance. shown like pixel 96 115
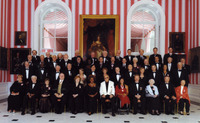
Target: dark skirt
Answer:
pixel 14 102
pixel 45 105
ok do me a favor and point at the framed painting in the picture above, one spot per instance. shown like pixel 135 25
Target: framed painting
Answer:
pixel 17 57
pixel 99 33
pixel 177 41
pixel 20 38
pixel 194 60
pixel 3 58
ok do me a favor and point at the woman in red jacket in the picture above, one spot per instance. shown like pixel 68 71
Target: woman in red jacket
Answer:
pixel 183 97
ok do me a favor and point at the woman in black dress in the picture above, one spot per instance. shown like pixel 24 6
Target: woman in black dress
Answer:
pixel 76 95
pixel 135 66
pixel 16 95
pixel 92 93
pixel 143 77
pixel 44 104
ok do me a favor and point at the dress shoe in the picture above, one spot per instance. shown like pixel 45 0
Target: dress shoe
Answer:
pixel 23 113
pixel 113 114
pixel 188 113
pixel 33 113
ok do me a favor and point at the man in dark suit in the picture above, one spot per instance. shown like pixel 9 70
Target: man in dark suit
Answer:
pixel 129 57
pixel 65 60
pixel 35 57
pixel 123 66
pixel 70 73
pixel 152 57
pixel 115 77
pixel 170 66
pixel 180 74
pixel 146 66
pixel 158 64
pixel 53 64
pixel 141 57
pixel 54 76
pixel 27 71
pixel 185 66
pixel 129 76
pixel 111 66
pixel 32 93
pixel 48 61
pixel 170 54
pixel 156 75
pixel 59 60
pixel 118 58
pixel 137 95
pixel 168 95
pixel 59 94
pixel 100 64
pixel 106 58
pixel 41 73
pixel 92 58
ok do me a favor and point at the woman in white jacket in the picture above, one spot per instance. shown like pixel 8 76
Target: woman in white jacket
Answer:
pixel 152 95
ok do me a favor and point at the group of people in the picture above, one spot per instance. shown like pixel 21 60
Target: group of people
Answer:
pixel 136 83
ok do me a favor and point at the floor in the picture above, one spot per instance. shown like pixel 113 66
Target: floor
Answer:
pixel 6 117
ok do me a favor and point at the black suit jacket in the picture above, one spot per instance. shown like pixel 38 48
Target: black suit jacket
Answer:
pixel 36 60
pixel 36 90
pixel 177 80
pixel 129 61
pixel 91 60
pixel 141 60
pixel 152 59
pixel 167 92
pixel 41 77
pixel 114 78
pixel 64 89
pixel 174 57
pixel 23 73
pixel 158 77
pixel 133 90
pixel 129 79
pixel 118 60
pixel 187 68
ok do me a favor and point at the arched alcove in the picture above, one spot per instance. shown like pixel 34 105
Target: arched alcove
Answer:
pixel 53 27
pixel 146 26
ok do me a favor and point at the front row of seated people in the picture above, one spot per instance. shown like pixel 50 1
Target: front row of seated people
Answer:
pixel 77 97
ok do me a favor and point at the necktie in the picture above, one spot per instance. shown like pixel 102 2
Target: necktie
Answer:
pixel 59 87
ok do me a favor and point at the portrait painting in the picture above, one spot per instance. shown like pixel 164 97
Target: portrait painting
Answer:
pixel 20 38
pixel 17 57
pixel 177 41
pixel 3 58
pixel 99 33
pixel 194 60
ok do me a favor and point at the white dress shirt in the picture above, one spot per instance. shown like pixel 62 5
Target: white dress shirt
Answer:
pixel 182 89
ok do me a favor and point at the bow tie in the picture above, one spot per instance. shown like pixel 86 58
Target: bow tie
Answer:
pixel 180 70
pixel 27 69
pixel 117 74
pixel 57 72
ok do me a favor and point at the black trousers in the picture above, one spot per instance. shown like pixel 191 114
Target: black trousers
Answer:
pixel 138 106
pixel 75 104
pixel 59 104
pixel 169 105
pixel 112 101
pixel 26 102
pixel 181 105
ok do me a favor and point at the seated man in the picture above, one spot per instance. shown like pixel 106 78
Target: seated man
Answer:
pixel 168 95
pixel 137 93
pixel 32 93
pixel 183 97
pixel 59 94
pixel 107 93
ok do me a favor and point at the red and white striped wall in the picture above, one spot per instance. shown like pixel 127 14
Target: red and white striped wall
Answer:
pixel 18 15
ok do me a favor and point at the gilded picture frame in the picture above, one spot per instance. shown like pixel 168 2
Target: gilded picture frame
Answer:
pixel 104 23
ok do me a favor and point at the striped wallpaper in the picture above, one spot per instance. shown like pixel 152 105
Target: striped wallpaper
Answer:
pixel 17 15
